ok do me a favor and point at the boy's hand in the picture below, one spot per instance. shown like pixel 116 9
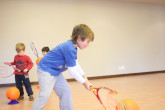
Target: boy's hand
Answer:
pixel 87 84
pixel 7 63
pixel 25 70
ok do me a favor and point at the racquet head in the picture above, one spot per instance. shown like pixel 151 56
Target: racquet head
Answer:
pixel 109 98
pixel 34 49
pixel 7 71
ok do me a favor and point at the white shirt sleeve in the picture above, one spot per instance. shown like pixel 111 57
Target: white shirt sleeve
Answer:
pixel 75 73
pixel 81 72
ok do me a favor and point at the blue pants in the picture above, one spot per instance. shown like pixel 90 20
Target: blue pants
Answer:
pixel 23 79
pixel 49 83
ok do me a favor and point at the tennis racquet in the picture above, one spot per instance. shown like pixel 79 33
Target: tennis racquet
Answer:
pixel 7 71
pixel 108 98
pixel 34 49
pixel 35 52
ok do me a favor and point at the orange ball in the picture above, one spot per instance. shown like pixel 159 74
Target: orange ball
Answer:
pixel 13 93
pixel 130 104
pixel 38 87
pixel 38 60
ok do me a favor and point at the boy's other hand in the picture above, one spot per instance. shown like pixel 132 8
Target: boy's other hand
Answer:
pixel 87 85
pixel 25 70
pixel 7 63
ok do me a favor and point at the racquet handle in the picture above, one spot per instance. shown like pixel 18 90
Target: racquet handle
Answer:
pixel 93 90
pixel 21 71
pixel 91 87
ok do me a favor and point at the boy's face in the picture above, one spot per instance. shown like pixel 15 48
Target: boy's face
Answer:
pixel 83 44
pixel 44 53
pixel 21 52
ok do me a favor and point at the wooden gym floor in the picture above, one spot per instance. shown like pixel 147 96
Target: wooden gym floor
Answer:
pixel 147 90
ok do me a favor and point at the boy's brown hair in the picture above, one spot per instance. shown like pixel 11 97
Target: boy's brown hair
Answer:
pixel 45 49
pixel 20 46
pixel 83 31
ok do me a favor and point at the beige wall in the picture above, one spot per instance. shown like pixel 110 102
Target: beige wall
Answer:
pixel 129 37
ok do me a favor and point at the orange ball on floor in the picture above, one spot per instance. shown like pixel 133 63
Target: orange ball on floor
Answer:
pixel 38 87
pixel 13 93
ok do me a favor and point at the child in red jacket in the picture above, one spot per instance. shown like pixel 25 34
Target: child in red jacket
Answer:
pixel 22 62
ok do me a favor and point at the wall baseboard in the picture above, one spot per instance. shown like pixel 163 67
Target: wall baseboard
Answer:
pixel 96 77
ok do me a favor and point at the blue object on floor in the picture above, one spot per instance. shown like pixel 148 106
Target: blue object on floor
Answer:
pixel 12 102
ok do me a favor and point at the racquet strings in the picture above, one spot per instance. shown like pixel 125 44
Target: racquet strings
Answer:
pixel 109 100
pixel 34 49
pixel 5 70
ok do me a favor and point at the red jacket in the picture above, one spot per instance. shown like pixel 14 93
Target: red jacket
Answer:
pixel 22 62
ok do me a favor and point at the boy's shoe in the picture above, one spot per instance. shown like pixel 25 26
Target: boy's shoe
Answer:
pixel 31 98
pixel 20 98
